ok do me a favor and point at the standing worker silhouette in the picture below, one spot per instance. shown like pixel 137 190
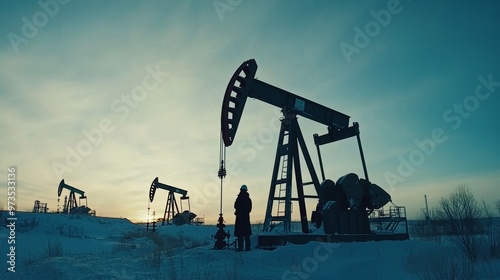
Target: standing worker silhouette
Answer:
pixel 242 229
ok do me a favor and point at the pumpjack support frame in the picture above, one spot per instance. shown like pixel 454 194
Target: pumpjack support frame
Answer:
pixel 287 155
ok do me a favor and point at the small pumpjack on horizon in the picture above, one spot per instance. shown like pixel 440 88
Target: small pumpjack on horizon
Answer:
pixel 70 204
pixel 172 215
pixel 40 207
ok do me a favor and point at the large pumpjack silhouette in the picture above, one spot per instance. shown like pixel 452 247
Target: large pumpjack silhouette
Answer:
pixel 343 206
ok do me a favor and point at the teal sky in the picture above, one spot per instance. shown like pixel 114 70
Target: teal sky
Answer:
pixel 150 77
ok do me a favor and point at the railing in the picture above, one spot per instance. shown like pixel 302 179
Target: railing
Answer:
pixel 383 220
pixel 199 221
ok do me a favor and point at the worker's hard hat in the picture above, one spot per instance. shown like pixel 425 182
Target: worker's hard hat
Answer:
pixel 244 188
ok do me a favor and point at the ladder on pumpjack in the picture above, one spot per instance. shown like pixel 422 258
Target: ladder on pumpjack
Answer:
pixel 283 182
pixel 282 192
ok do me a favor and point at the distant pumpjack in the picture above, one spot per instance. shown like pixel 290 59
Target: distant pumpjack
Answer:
pixel 171 207
pixel 71 206
pixel 40 207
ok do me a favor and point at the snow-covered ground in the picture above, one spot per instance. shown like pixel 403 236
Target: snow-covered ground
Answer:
pixel 56 246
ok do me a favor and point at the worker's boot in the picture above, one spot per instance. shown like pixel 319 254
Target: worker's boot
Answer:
pixel 240 243
pixel 247 243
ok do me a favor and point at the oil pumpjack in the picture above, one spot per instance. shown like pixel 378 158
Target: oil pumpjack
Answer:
pixel 70 204
pixel 343 206
pixel 172 215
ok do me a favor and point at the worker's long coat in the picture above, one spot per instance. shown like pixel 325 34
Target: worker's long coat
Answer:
pixel 243 206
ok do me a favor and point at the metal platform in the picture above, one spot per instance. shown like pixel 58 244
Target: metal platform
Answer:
pixel 386 224
pixel 274 241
